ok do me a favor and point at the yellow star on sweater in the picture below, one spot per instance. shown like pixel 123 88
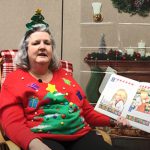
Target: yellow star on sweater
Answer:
pixel 51 88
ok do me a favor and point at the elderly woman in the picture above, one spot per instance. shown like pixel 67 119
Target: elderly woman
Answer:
pixel 41 105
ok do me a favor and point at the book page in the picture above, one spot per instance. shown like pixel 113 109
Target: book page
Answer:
pixel 139 111
pixel 117 95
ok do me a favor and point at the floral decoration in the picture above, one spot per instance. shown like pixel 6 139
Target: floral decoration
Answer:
pixel 140 7
pixel 115 55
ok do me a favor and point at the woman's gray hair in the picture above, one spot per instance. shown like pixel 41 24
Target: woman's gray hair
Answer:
pixel 21 59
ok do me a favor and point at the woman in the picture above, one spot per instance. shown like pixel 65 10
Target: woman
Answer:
pixel 41 106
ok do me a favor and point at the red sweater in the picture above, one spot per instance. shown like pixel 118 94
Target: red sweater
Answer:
pixel 25 105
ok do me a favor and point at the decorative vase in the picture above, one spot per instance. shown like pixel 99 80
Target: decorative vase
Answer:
pixel 92 88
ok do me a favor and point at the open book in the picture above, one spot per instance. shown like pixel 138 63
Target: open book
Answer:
pixel 128 98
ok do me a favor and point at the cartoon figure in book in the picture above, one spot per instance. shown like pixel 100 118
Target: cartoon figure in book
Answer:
pixel 144 106
pixel 147 108
pixel 136 102
pixel 118 100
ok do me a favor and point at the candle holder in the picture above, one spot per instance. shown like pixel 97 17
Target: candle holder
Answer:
pixel 147 53
pixel 141 48
pixel 97 16
pixel 130 51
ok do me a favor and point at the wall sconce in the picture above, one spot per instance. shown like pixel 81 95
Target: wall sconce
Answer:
pixel 97 17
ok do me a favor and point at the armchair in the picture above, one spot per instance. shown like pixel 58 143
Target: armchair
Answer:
pixel 7 144
pixel 7 66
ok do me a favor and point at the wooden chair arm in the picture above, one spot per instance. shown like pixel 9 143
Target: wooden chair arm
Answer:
pixel 12 146
pixel 3 146
pixel 7 144
pixel 1 137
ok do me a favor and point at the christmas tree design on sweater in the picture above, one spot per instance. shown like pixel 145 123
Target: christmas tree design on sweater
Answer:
pixel 60 116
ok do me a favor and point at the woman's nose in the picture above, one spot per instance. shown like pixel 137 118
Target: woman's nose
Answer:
pixel 42 45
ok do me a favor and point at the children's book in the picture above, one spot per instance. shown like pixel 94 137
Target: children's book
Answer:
pixel 128 98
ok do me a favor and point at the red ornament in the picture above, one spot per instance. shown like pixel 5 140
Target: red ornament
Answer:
pixel 110 52
pixel 117 53
pixel 63 116
pixel 138 55
pixel 123 58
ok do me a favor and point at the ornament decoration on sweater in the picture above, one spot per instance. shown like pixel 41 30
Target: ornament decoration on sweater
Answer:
pixel 59 115
pixel 33 86
pixel 51 88
pixel 68 82
pixel 79 95
pixel 33 102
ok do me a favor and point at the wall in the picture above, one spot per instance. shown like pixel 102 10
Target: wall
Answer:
pixel 121 31
pixel 71 43
pixel 14 14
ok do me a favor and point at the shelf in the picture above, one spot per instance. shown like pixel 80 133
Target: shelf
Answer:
pixel 110 47
pixel 143 24
pixel 90 47
pixel 137 70
pixel 96 23
pixel 117 63
pixel 109 23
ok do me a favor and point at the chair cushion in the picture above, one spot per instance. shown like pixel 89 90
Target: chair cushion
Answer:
pixel 9 66
pixel 67 66
pixel 7 62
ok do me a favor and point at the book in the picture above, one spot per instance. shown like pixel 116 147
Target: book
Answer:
pixel 126 97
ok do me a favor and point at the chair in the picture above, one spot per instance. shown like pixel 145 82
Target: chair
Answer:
pixel 7 66
pixel 7 144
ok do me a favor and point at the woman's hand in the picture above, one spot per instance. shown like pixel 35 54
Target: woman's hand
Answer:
pixel 37 144
pixel 122 122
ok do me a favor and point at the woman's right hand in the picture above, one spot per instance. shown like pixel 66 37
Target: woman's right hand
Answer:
pixel 37 144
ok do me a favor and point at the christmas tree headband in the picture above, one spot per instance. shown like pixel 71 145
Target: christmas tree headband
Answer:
pixel 37 18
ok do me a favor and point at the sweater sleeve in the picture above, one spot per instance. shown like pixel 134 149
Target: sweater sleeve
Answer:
pixel 12 118
pixel 94 118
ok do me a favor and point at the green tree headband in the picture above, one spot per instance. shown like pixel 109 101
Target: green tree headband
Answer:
pixel 37 18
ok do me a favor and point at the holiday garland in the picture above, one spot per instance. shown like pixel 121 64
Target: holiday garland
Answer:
pixel 115 55
pixel 141 7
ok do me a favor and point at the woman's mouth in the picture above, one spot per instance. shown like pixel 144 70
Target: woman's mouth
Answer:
pixel 42 54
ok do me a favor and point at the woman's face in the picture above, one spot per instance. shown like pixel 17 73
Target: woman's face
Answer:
pixel 39 48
